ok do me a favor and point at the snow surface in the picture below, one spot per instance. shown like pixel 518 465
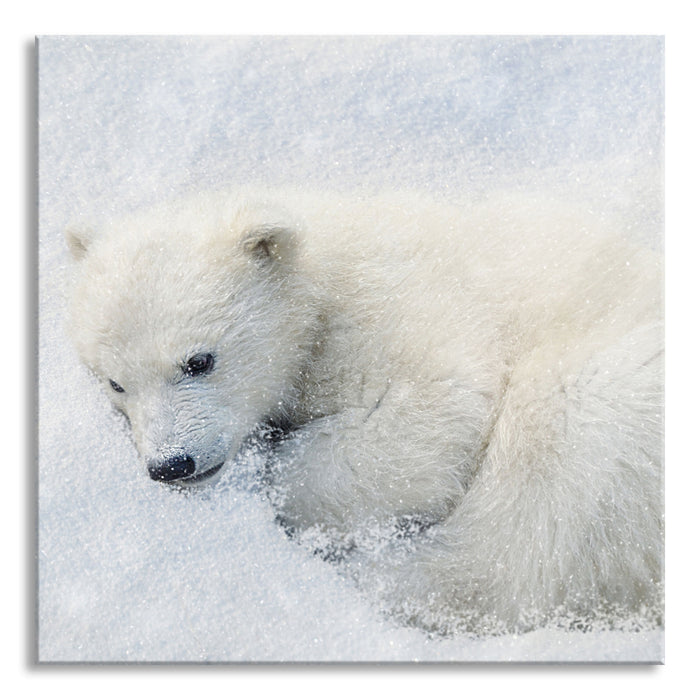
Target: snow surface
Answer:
pixel 132 571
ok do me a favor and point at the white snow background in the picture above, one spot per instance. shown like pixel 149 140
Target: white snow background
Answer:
pixel 133 571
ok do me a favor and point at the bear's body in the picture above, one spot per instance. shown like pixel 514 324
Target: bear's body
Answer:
pixel 496 371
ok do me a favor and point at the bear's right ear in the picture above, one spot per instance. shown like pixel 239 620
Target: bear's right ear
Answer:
pixel 79 240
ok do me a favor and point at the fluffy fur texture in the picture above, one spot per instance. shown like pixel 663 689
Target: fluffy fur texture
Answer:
pixel 496 371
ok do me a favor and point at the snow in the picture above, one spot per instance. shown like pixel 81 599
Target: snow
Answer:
pixel 132 571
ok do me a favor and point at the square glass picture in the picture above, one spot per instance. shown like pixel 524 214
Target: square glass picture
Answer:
pixel 351 349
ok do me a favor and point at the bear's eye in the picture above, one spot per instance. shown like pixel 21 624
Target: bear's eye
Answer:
pixel 116 387
pixel 201 363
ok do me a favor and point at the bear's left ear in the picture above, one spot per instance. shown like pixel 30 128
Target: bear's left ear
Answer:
pixel 270 244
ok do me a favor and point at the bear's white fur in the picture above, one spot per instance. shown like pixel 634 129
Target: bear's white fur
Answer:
pixel 495 370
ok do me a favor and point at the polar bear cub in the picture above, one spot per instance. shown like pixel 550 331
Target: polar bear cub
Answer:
pixel 494 371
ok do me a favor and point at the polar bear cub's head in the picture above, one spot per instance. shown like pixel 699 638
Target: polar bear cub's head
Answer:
pixel 197 321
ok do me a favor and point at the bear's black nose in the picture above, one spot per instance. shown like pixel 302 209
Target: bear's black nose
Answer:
pixel 174 467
